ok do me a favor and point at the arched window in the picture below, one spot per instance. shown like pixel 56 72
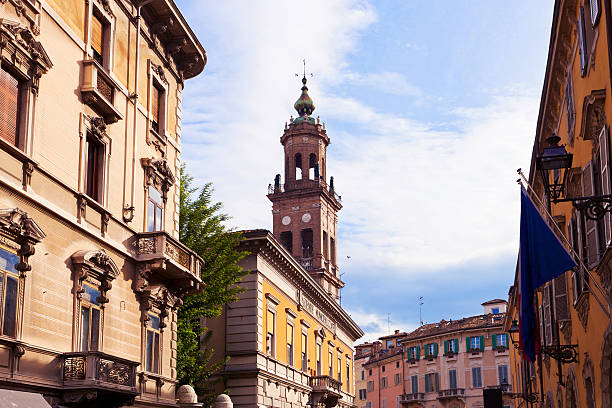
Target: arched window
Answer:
pixel 298 166
pixel 312 164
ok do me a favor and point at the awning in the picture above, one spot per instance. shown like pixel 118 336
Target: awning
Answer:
pixel 20 399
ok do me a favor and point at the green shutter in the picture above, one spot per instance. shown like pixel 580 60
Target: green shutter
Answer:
pixel 482 347
pixel 445 346
pixel 437 383
pixel 426 350
pixel 506 340
pixel 467 343
pixel 426 382
pixel 418 356
pixel 494 340
pixel 410 356
pixel 456 345
pixel 435 349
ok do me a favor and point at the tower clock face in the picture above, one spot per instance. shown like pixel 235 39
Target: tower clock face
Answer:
pixel 306 218
pixel 286 220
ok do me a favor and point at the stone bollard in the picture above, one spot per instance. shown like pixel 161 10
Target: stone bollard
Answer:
pixel 224 401
pixel 187 397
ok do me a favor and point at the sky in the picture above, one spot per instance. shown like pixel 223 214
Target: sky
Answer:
pixel 431 108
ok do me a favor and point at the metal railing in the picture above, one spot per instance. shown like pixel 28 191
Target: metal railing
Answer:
pixel 302 185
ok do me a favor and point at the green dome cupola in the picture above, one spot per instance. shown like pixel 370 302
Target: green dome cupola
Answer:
pixel 304 105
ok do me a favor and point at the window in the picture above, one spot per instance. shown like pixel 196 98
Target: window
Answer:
pixel 502 374
pixel 384 403
pixel 318 352
pixel 98 34
pixel 495 310
pixel 415 384
pixel 325 246
pixel 95 168
pixel 397 364
pixel 595 11
pixel 307 243
pixel 500 341
pixel 431 350
pixel 368 404
pixel 332 249
pixel 476 377
pixel 370 386
pixel 330 360
pixel 10 91
pixel 152 356
pixel 451 346
pixel 452 379
pixel 475 343
pixel 383 369
pixel 431 382
pixel 383 382
pixel 389 344
pixel 286 238
pixel 155 210
pixel 362 394
pixel 298 166
pixel 370 372
pixel 397 379
pixel 414 353
pixel 270 337
pixel 157 107
pixel 304 352
pixel 339 367
pixel 348 375
pixel 570 110
pixel 362 375
pixel 9 290
pixel 90 319
pixel 582 41
pixel 289 344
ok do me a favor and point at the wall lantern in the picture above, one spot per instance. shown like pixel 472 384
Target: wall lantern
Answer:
pixel 554 165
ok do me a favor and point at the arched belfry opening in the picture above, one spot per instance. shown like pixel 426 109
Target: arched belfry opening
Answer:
pixel 313 167
pixel 298 166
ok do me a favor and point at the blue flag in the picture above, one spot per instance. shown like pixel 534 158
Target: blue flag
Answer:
pixel 542 259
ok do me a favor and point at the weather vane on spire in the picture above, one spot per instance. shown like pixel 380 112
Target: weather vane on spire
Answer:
pixel 311 74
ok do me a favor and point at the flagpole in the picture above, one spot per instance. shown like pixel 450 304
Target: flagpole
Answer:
pixel 564 238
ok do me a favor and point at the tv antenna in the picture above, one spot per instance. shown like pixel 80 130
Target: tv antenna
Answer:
pixel 421 309
pixel 310 74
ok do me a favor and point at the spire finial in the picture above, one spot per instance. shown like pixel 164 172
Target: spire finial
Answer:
pixel 304 105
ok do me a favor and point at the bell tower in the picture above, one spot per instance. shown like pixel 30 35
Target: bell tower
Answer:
pixel 305 207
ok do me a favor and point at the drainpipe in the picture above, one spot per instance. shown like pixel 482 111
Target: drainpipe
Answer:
pixel 130 209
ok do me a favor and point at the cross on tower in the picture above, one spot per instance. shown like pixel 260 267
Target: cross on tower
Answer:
pixel 311 74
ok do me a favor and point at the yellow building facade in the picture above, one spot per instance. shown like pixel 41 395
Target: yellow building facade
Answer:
pixel 574 309
pixel 288 341
pixel 90 133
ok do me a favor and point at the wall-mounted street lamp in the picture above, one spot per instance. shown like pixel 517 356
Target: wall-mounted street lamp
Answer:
pixel 564 353
pixel 554 164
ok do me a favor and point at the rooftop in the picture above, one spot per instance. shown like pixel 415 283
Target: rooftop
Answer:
pixel 467 323
pixel 493 302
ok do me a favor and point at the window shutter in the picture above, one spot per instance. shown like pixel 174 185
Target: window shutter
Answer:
pixel 456 345
pixel 437 377
pixel 426 349
pixel 561 305
pixel 474 382
pixel 569 108
pixel 482 346
pixel 604 164
pixel 9 107
pixel 409 353
pixel 435 349
pixel 467 344
pixel 592 238
pixel 494 341
pixel 418 352
pixel 546 309
pixel 97 35
pixel 445 346
pixel 582 42
pixel 155 97
pixel 427 383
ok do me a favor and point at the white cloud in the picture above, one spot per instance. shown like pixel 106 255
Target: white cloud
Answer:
pixel 389 82
pixel 376 325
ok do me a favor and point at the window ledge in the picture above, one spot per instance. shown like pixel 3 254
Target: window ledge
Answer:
pixel 98 90
pixel 475 354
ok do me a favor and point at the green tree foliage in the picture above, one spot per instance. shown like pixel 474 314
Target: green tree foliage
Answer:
pixel 202 228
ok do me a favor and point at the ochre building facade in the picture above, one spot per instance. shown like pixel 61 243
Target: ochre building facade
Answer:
pixel 574 309
pixel 90 131
pixel 289 341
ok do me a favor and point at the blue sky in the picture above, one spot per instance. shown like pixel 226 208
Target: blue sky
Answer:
pixel 431 107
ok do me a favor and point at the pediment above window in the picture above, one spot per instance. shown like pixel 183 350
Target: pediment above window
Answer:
pixel 18 45
pixel 158 174
pixel 97 267
pixel 593 114
pixel 17 223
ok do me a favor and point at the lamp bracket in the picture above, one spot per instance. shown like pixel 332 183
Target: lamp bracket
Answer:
pixel 593 207
pixel 564 353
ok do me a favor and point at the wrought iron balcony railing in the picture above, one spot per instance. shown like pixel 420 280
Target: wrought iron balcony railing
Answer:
pixel 306 263
pixel 416 396
pixel 303 184
pixel 451 393
pixel 98 370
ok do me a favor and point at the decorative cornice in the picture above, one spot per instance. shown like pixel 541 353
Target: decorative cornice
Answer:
pixel 19 224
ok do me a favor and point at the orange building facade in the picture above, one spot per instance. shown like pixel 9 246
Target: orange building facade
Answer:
pixel 445 364
pixel 574 309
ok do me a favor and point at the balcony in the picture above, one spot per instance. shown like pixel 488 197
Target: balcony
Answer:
pixel 110 379
pixel 414 397
pixel 169 258
pixel 98 91
pixel 306 263
pixel 451 393
pixel 325 390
